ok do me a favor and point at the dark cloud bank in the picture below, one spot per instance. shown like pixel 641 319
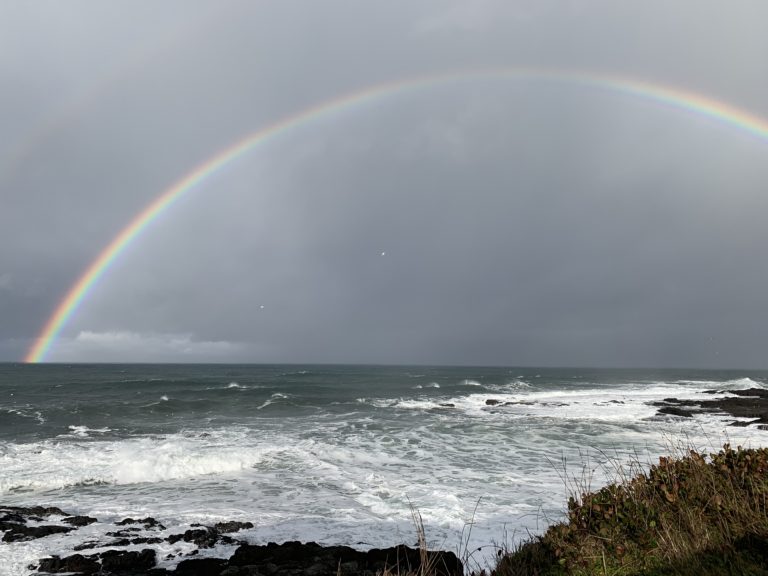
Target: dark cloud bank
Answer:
pixel 493 222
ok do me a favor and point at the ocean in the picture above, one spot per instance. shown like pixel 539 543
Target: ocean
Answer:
pixel 336 454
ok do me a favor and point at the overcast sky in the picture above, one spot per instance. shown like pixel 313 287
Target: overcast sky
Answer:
pixel 495 221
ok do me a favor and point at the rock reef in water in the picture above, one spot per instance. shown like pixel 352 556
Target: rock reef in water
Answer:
pixel 751 403
pixel 289 558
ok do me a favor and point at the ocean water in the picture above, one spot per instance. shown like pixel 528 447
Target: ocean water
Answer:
pixel 335 454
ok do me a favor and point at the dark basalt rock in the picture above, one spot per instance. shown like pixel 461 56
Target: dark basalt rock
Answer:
pixel 121 560
pixel 20 532
pixel 76 563
pixel 315 560
pixel 492 402
pixel 79 520
pixel 203 537
pixel 148 522
pixel 751 403
pixel 288 559
pixel 674 411
pixel 37 511
pixel 229 527
pixel 201 567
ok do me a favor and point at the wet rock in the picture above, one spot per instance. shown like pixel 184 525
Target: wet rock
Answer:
pixel 201 567
pixel 447 405
pixel 751 403
pixel 492 402
pixel 125 533
pixel 229 527
pixel 76 563
pixel 22 533
pixel 312 559
pixel 203 537
pixel 79 520
pixel 148 522
pixel 122 560
pixel 674 411
pixel 743 423
pixel 154 540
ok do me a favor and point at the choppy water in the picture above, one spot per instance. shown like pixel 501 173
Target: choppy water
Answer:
pixel 335 454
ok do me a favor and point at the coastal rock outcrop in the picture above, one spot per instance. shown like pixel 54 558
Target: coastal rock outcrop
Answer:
pixel 751 403
pixel 289 558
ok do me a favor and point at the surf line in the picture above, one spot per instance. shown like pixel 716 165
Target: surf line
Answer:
pixel 670 96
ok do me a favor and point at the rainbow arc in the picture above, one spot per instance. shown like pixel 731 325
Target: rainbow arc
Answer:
pixel 685 101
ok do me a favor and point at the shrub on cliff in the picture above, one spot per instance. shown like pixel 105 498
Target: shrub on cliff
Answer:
pixel 696 514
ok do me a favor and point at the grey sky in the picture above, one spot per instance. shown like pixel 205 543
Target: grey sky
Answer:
pixel 489 222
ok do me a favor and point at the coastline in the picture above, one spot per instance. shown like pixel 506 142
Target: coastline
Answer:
pixel 133 547
pixel 123 550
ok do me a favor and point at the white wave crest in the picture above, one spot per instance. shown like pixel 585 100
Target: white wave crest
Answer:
pixel 84 431
pixel 52 465
pixel 736 384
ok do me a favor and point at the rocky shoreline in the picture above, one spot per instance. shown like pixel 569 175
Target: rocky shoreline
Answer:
pixel 750 404
pixel 125 550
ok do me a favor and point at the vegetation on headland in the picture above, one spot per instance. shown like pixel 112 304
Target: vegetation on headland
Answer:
pixel 696 514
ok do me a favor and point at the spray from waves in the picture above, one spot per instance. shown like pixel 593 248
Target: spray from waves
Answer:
pixel 736 384
pixel 26 413
pixel 629 403
pixel 276 397
pixel 84 431
pixel 53 464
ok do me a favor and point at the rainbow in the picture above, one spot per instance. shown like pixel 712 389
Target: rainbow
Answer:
pixel 675 98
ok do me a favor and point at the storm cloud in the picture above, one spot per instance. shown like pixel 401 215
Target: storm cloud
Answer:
pixel 494 220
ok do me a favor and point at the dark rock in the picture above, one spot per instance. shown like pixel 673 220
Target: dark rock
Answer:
pixel 674 411
pixel 21 533
pixel 76 563
pixel 492 402
pixel 122 560
pixel 154 540
pixel 33 512
pixel 91 544
pixel 125 533
pixel 229 527
pixel 203 537
pixel 148 522
pixel 447 405
pixel 43 511
pixel 743 423
pixel 314 560
pixel 201 567
pixel 79 520
pixel 751 403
